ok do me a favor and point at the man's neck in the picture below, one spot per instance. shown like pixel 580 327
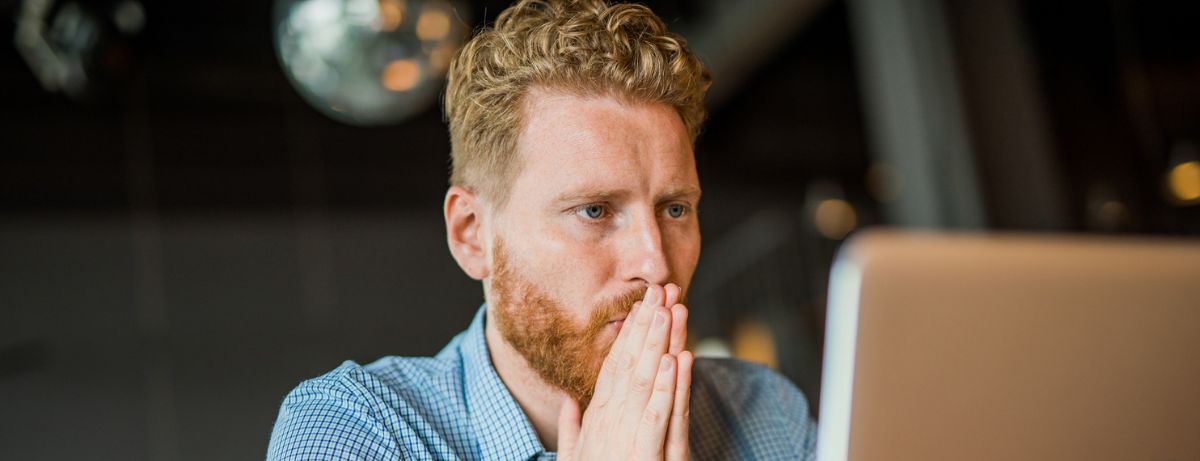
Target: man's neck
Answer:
pixel 540 401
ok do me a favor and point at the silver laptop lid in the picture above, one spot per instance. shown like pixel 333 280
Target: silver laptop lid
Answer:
pixel 958 347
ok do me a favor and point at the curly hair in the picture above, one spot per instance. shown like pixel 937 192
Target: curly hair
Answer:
pixel 584 47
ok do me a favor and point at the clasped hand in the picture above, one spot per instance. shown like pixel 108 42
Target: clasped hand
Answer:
pixel 639 409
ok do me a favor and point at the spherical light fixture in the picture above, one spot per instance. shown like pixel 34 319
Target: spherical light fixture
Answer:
pixel 368 62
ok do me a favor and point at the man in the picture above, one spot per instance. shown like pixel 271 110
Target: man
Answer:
pixel 573 199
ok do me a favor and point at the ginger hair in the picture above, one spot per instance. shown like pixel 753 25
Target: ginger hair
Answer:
pixel 583 47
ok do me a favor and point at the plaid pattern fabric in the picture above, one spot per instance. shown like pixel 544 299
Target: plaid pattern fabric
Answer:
pixel 453 406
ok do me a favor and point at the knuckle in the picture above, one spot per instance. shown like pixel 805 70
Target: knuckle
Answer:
pixel 663 386
pixel 597 405
pixel 642 383
pixel 628 361
pixel 643 319
pixel 652 416
pixel 653 342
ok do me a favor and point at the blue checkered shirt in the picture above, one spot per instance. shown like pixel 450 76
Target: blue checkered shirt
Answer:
pixel 453 406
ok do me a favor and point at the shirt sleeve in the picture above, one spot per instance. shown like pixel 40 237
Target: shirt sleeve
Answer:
pixel 329 418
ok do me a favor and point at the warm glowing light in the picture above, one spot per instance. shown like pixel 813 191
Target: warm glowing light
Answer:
pixel 440 57
pixel 835 218
pixel 712 347
pixel 1184 181
pixel 753 341
pixel 391 14
pixel 434 24
pixel 401 75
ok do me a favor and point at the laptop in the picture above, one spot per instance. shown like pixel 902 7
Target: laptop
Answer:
pixel 1010 347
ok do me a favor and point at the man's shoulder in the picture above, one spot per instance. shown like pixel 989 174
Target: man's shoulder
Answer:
pixel 735 368
pixel 745 410
pixel 412 378
pixel 741 379
pixel 404 376
pixel 377 410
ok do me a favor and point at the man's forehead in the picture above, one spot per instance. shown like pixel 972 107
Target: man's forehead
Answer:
pixel 590 145
pixel 592 176
pixel 586 125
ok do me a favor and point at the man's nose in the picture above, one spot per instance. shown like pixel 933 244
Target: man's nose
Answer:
pixel 646 259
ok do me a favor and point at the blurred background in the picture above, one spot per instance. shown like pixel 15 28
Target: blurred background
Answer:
pixel 203 203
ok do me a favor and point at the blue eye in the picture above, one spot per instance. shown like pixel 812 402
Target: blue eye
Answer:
pixel 676 211
pixel 593 211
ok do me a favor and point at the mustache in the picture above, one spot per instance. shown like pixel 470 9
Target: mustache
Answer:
pixel 617 306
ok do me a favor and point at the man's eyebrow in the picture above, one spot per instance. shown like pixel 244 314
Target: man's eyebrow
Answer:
pixel 590 196
pixel 683 192
pixel 595 196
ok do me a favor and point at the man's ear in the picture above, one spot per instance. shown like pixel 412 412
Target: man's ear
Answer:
pixel 464 217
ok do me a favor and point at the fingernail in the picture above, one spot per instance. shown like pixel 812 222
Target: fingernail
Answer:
pixel 665 363
pixel 659 319
pixel 649 298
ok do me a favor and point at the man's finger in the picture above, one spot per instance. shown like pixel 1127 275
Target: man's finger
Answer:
pixel 627 359
pixel 679 315
pixel 652 429
pixel 642 382
pixel 657 339
pixel 637 336
pixel 568 428
pixel 672 292
pixel 677 438
pixel 605 382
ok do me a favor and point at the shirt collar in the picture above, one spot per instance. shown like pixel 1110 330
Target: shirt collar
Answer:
pixel 500 426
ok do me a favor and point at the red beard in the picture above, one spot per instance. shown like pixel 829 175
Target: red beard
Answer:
pixel 563 353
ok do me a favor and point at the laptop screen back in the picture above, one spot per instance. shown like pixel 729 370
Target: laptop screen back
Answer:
pixel 942 347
